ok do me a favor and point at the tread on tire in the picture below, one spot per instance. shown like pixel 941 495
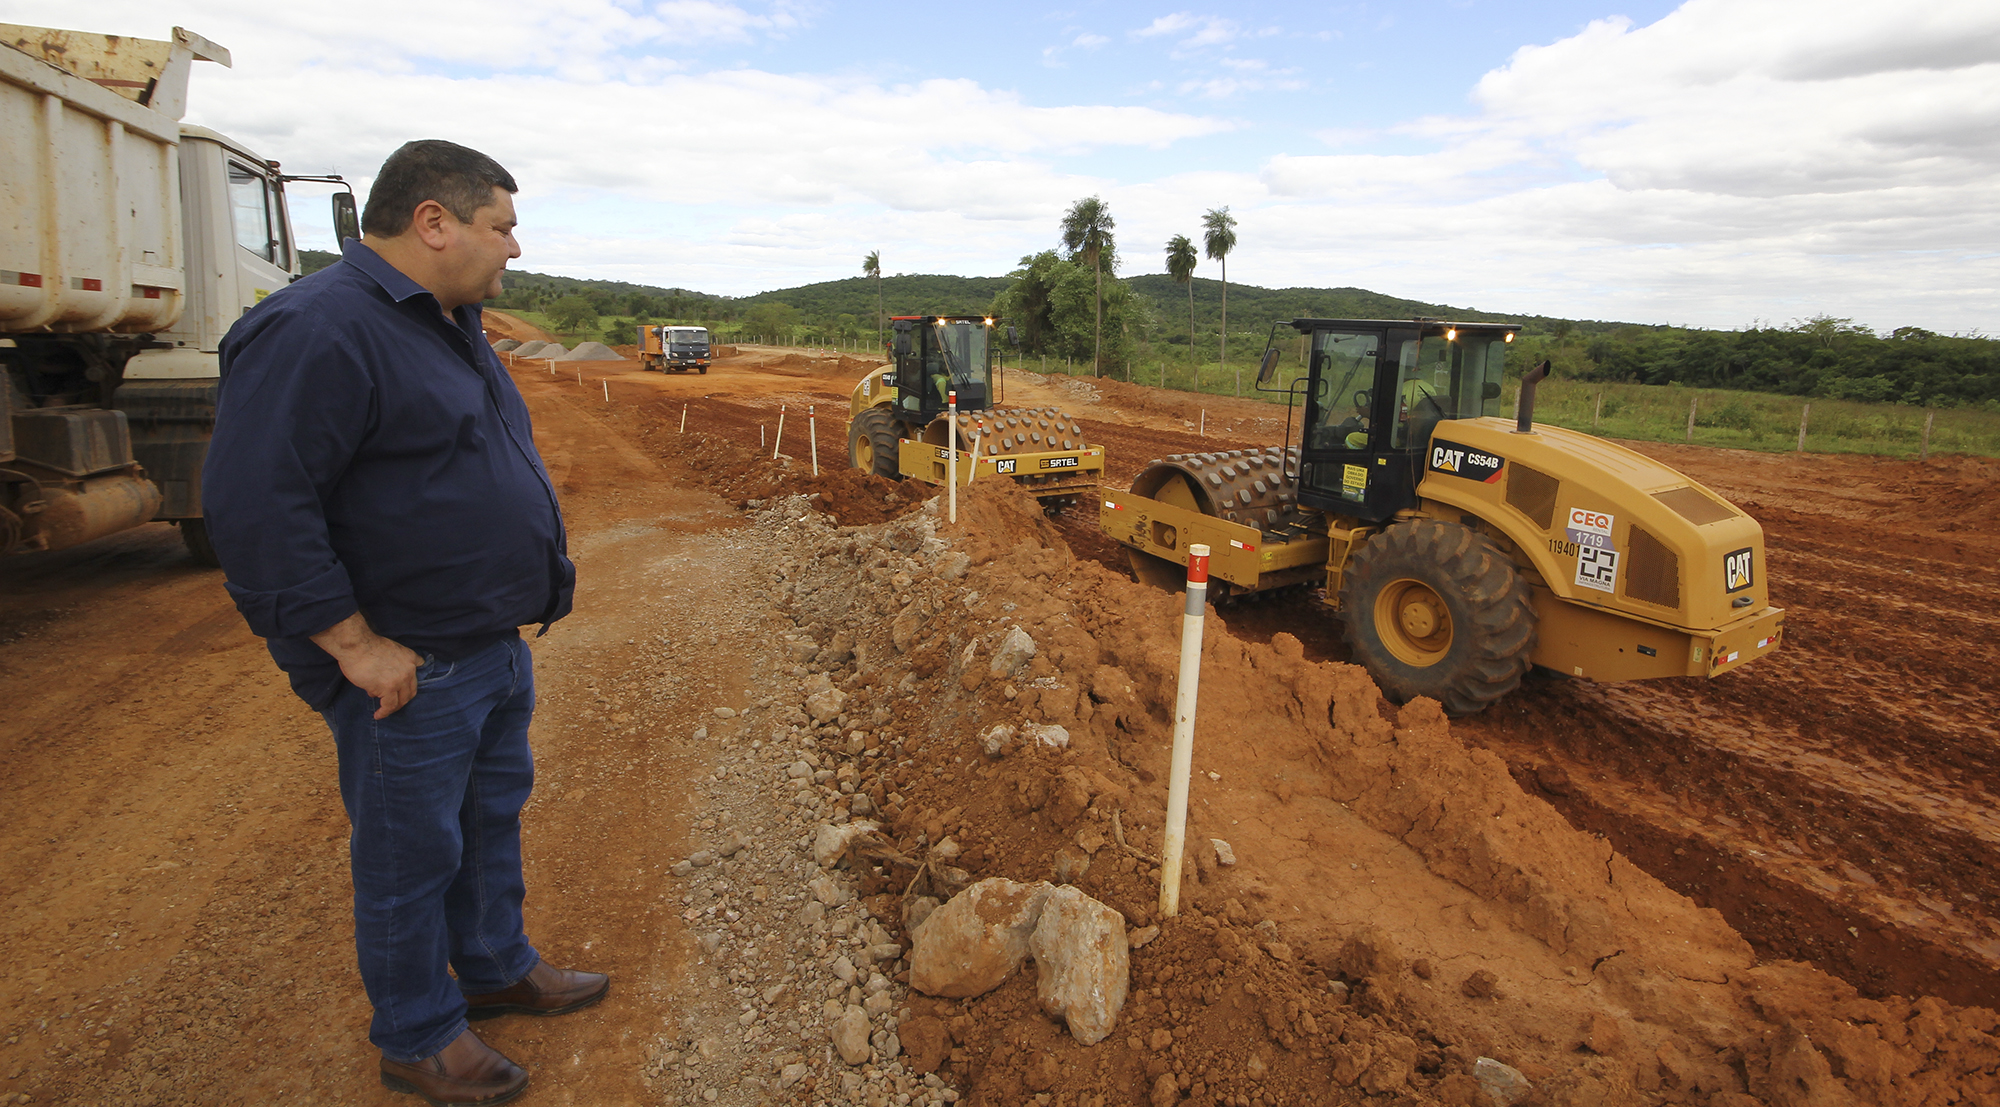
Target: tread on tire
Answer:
pixel 1435 609
pixel 871 443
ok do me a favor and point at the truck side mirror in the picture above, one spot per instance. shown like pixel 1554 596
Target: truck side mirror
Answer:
pixel 346 222
pixel 1491 391
pixel 1269 366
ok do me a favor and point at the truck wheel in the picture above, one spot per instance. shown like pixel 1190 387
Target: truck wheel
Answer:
pixel 871 443
pixel 1434 609
pixel 704 370
pixel 194 535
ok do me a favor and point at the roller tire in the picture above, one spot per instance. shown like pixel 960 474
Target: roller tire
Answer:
pixel 194 535
pixel 1434 609
pixel 871 443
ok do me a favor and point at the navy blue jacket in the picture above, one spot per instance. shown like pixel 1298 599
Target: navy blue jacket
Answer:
pixel 372 455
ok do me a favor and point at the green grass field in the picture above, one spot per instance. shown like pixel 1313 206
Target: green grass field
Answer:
pixel 1656 413
pixel 1759 420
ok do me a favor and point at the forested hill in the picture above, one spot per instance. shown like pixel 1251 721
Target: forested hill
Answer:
pixel 904 294
pixel 1251 306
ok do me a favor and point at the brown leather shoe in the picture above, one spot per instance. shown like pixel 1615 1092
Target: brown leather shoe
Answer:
pixel 546 990
pixel 466 1071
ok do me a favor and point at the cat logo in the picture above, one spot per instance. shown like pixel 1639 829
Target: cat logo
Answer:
pixel 1464 461
pixel 1003 465
pixel 1736 571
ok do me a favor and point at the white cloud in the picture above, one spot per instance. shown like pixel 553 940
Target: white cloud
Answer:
pixel 1192 31
pixel 1735 159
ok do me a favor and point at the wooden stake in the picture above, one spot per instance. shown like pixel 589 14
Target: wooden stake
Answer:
pixel 1805 413
pixel 684 423
pixel 607 390
pixel 1924 453
pixel 1691 405
pixel 1598 413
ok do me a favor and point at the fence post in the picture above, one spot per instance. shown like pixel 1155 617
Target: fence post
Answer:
pixel 1598 412
pixel 1924 453
pixel 1692 401
pixel 1805 413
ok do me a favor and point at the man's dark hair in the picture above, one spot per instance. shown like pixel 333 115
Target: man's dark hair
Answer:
pixel 458 177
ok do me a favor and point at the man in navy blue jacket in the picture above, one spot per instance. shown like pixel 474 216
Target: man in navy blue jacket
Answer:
pixel 384 521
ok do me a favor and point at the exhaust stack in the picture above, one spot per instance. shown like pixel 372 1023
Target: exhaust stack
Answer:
pixel 1524 408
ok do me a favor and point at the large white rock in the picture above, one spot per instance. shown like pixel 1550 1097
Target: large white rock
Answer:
pixel 1083 962
pixel 1014 651
pixel 825 706
pixel 976 939
pixel 830 843
pixel 850 1035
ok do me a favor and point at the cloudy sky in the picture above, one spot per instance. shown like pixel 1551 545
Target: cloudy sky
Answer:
pixel 1717 162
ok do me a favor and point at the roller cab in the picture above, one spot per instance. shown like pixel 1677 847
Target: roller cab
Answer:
pixel 901 418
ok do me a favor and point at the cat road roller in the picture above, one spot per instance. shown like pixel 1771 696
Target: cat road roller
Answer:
pixel 900 418
pixel 1459 549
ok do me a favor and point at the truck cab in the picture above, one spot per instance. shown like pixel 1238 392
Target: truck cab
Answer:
pixel 671 348
pixel 141 240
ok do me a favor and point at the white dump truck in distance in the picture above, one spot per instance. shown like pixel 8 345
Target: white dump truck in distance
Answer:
pixel 131 243
pixel 674 349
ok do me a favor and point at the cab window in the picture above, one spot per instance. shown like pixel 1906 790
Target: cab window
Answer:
pixel 253 204
pixel 1423 388
pixel 1344 405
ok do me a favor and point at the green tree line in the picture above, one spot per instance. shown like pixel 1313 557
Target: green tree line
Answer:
pixel 1051 299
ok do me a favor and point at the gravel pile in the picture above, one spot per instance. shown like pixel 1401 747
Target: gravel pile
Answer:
pixel 530 349
pixel 813 980
pixel 591 351
pixel 506 345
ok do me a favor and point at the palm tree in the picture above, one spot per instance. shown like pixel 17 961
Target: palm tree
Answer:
pixel 1086 232
pixel 1218 241
pixel 871 266
pixel 1180 266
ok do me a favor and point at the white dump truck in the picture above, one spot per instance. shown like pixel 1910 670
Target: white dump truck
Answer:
pixel 129 243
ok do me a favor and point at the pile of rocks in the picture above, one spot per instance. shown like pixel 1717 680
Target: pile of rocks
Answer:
pixel 795 944
pixel 786 949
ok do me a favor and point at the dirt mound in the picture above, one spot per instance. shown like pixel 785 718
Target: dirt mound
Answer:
pixel 591 351
pixel 1398 908
pixel 500 324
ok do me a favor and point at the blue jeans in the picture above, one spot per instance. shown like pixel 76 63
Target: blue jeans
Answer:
pixel 433 796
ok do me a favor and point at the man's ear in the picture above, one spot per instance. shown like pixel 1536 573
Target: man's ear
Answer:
pixel 433 225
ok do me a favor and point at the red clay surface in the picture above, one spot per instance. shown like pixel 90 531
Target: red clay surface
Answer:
pixel 1639 868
